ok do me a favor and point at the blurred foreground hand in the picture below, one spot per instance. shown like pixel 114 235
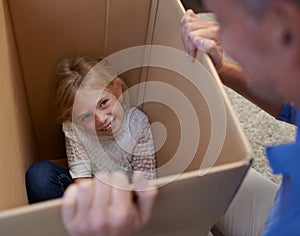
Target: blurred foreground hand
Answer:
pixel 104 205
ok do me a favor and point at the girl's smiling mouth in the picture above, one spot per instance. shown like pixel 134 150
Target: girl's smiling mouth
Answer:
pixel 108 126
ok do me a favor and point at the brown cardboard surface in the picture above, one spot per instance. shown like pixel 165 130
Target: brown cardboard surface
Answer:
pixel 48 31
pixel 36 35
pixel 191 205
pixel 38 219
pixel 17 142
pixel 188 206
pixel 235 145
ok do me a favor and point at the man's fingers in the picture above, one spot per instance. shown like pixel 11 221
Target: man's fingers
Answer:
pixel 209 31
pixel 104 206
pixel 84 199
pixel 102 193
pixel 146 195
pixel 68 209
pixel 189 17
pixel 206 45
pixel 121 206
pixel 121 189
pixel 212 49
pixel 201 35
pixel 186 17
pixel 193 28
pixel 99 207
pixel 190 12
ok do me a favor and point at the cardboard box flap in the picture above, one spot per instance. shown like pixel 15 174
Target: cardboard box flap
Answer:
pixel 191 205
pixel 48 31
pixel 188 206
pixel 197 82
pixel 17 141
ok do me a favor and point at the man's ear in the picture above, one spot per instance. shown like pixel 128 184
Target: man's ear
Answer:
pixel 285 30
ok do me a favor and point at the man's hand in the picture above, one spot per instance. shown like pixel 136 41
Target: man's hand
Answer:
pixel 104 205
pixel 203 35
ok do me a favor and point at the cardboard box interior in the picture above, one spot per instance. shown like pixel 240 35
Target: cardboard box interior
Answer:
pixel 36 35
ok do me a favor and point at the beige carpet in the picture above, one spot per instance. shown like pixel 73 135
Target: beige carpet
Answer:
pixel 261 129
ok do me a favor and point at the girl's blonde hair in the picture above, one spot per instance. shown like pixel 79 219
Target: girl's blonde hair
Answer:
pixel 84 72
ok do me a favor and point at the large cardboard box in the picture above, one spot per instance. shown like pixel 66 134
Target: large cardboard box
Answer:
pixel 194 124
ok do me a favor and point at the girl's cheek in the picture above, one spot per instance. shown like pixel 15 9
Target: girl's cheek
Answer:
pixel 89 126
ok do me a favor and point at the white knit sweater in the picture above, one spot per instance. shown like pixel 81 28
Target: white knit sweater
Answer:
pixel 131 149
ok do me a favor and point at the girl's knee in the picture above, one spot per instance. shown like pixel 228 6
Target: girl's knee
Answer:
pixel 45 181
pixel 38 170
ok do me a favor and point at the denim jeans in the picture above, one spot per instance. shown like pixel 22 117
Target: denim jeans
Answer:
pixel 45 181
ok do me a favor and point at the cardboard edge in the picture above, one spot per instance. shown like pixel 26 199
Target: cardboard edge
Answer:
pixel 199 173
pixel 214 73
pixel 23 210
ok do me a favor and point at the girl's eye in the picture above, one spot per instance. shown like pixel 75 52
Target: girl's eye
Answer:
pixel 86 117
pixel 103 103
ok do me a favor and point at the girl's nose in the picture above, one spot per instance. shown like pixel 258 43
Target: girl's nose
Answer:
pixel 101 117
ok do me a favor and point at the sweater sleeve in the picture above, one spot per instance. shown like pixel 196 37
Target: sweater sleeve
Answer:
pixel 143 154
pixel 78 159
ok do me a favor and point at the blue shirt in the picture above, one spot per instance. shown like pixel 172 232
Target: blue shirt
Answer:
pixel 288 114
pixel 284 217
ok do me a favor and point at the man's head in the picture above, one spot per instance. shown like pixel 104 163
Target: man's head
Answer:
pixel 253 7
pixel 264 37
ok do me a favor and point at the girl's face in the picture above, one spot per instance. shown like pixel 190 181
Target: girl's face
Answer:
pixel 102 114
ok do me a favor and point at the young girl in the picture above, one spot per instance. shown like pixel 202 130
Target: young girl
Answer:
pixel 102 133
